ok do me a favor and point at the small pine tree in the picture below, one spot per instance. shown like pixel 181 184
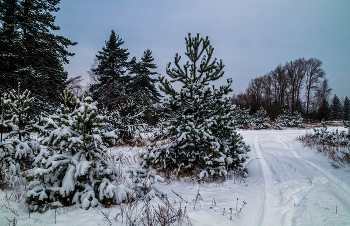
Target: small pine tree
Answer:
pixel 261 119
pixel 201 120
pixel 17 149
pixel 74 169
pixel 286 119
pixel 6 117
pixel 336 109
pixel 127 121
pixel 19 105
pixel 346 109
pixel 242 117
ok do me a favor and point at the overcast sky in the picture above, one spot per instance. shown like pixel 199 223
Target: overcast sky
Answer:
pixel 251 36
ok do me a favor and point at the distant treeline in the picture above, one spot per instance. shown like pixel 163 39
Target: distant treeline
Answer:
pixel 298 85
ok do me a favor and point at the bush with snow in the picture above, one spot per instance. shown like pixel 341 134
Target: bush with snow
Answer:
pixel 144 180
pixel 201 124
pixel 261 119
pixel 126 121
pixel 286 119
pixel 334 138
pixel 17 149
pixel 73 169
pixel 347 125
pixel 334 144
pixel 242 118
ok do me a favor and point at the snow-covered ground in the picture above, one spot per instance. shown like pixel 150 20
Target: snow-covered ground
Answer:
pixel 296 185
pixel 288 184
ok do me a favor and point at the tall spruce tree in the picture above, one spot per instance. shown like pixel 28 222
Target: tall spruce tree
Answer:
pixel 110 73
pixel 336 109
pixel 201 126
pixel 142 81
pixel 324 112
pixel 30 53
pixel 142 88
pixel 346 109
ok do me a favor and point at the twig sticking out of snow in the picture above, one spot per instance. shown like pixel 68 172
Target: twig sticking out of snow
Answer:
pixel 241 207
pixel 198 197
pixel 179 196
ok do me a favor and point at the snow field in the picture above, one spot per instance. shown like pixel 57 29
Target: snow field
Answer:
pixel 300 187
pixel 288 184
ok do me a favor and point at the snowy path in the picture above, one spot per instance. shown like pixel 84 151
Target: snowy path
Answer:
pixel 298 187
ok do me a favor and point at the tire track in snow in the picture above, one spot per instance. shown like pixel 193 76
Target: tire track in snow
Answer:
pixel 332 178
pixel 315 199
pixel 292 190
pixel 268 187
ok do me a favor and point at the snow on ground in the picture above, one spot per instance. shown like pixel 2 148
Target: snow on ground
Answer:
pixel 288 184
pixel 298 186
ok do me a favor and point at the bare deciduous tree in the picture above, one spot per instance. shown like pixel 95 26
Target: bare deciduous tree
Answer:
pixel 255 91
pixel 323 92
pixel 280 83
pixel 285 87
pixel 313 73
pixel 295 72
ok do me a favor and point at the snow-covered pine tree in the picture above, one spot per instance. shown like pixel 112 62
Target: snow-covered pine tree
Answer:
pixel 126 120
pixel 201 126
pixel 336 109
pixel 19 105
pixel 149 113
pixel 261 119
pixel 347 125
pixel 74 169
pixel 5 125
pixel 17 149
pixel 346 109
pixel 287 119
pixel 242 117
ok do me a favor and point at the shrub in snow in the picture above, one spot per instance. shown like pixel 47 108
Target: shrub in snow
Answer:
pixel 334 144
pixel 74 168
pixel 17 149
pixel 126 122
pixel 144 179
pixel 347 125
pixel 334 138
pixel 286 119
pixel 201 119
pixel 325 137
pixel 159 134
pixel 261 119
pixel 242 118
